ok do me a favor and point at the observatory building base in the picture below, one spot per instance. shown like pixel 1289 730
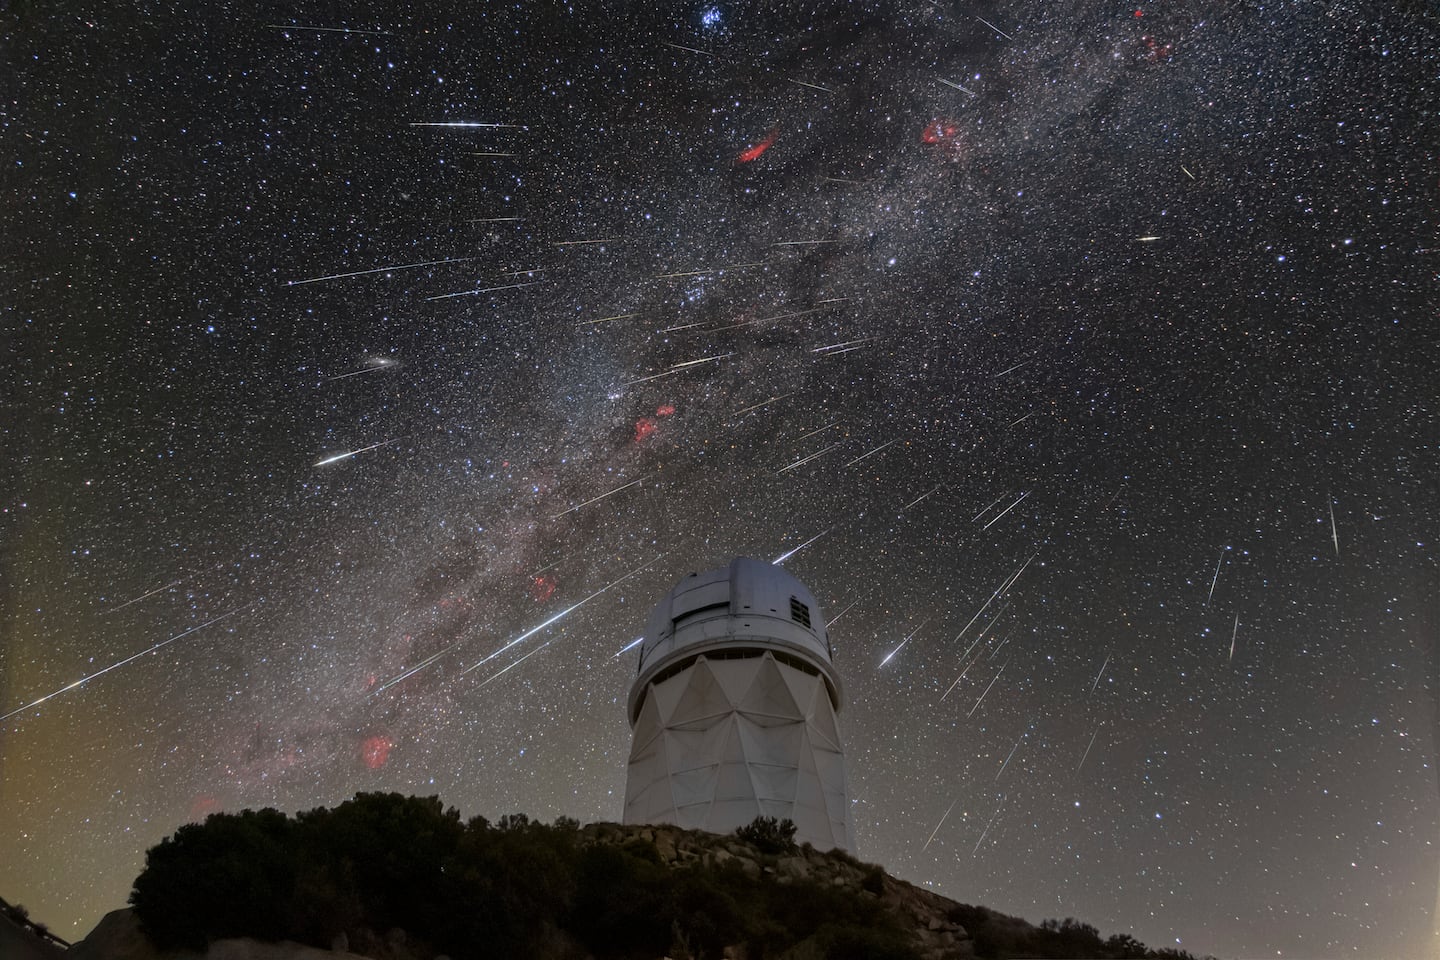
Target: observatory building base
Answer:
pixel 737 734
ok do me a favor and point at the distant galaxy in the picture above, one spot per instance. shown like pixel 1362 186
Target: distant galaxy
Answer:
pixel 373 375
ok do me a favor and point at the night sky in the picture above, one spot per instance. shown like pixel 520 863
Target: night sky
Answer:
pixel 371 373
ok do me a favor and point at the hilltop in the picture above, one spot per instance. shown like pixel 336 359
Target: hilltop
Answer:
pixel 401 878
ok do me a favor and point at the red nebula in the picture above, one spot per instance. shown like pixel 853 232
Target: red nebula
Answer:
pixel 665 410
pixel 752 153
pixel 542 588
pixel 940 131
pixel 944 134
pixel 203 805
pixel 376 750
pixel 644 427
pixel 1157 51
pixel 1139 13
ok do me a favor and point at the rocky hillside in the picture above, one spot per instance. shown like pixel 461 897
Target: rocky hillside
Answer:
pixel 400 878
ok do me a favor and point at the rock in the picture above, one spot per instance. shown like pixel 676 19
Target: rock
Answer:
pixel 340 943
pixel 795 867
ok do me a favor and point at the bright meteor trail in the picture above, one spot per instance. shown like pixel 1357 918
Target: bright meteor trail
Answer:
pixel 121 663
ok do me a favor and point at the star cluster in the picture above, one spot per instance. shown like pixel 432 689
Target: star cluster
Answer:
pixel 371 378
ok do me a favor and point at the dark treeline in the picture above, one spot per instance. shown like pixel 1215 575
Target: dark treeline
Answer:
pixel 521 889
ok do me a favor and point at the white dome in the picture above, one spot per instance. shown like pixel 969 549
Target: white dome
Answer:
pixel 745 603
pixel 734 710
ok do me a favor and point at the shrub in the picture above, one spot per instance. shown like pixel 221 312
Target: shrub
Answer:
pixel 768 835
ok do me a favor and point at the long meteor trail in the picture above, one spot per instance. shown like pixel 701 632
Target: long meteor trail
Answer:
pixel 350 453
pixel 602 496
pixel 118 664
pixel 389 269
pixel 790 553
pixel 940 824
pixel 563 613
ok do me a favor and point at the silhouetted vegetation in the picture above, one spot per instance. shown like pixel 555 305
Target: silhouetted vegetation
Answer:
pixel 769 835
pixel 1000 937
pixel 19 916
pixel 514 889
pixel 383 863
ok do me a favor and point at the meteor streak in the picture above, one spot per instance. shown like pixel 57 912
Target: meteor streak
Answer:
pixel 1233 632
pixel 1100 674
pixel 987 689
pixel 1334 535
pixel 987 509
pixel 499 674
pixel 762 403
pixel 471 293
pixel 1005 511
pixel 563 613
pixel 940 824
pixel 1215 578
pixel 989 825
pixel 602 496
pixel 346 456
pixel 145 596
pixel 837 347
pixel 790 553
pixel 708 270
pixel 995 28
pixel 374 33
pixel 841 613
pixel 872 452
pixel 677 368
pixel 618 316
pixel 703 53
pixel 903 642
pixel 389 269
pixel 951 83
pixel 459 123
pixel 812 86
pixel 379 363
pixel 921 497
pixel 1007 759
pixel 1088 746
pixel 120 663
pixel 812 433
pixel 629 646
pixel 804 460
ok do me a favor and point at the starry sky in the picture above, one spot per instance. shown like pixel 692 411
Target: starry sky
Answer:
pixel 374 368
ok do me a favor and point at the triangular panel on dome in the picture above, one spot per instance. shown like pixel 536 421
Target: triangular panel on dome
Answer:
pixel 774 781
pixel 647 727
pixel 732 782
pixel 822 720
pixel 696 785
pixel 735 675
pixel 769 695
pixel 702 700
pixel 666 695
pixel 771 744
pixel 686 748
pixel 802 685
pixel 693 816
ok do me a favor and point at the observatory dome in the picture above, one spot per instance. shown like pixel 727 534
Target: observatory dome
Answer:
pixel 734 709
